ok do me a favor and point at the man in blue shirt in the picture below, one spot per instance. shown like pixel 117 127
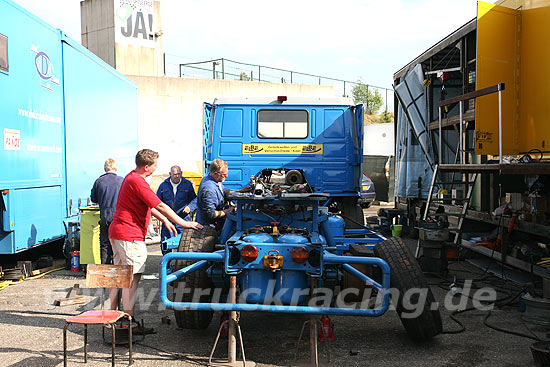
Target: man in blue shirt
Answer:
pixel 178 193
pixel 212 193
pixel 105 193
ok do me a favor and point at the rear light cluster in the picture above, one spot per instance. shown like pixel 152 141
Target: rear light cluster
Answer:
pixel 299 254
pixel 249 253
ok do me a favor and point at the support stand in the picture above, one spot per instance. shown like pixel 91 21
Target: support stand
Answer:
pixel 231 338
pixel 313 350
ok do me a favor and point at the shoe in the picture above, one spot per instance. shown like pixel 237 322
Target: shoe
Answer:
pixel 142 330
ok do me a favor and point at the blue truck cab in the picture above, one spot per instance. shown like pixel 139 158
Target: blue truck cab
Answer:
pixel 320 140
pixel 298 229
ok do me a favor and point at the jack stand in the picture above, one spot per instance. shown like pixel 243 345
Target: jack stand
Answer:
pixel 313 350
pixel 231 338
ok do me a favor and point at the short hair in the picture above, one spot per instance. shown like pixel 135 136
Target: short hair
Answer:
pixel 178 167
pixel 217 165
pixel 146 157
pixel 110 165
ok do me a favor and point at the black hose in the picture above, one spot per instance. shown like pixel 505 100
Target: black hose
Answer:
pixel 352 220
pixel 512 332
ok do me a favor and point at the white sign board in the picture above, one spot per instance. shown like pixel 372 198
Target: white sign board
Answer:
pixel 379 139
pixel 134 22
pixel 12 139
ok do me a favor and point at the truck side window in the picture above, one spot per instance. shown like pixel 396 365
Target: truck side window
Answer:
pixel 3 52
pixel 283 124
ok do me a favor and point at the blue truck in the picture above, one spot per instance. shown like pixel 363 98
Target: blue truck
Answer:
pixel 322 139
pixel 63 112
pixel 299 232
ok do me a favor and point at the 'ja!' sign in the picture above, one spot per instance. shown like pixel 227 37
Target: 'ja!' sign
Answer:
pixel 134 22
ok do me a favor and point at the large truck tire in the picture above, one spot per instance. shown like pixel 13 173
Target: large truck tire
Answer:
pixel 406 274
pixel 202 240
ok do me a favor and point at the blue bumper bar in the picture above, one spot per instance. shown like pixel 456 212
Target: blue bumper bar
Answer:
pixel 329 258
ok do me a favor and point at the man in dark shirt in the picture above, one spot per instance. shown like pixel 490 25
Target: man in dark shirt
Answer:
pixel 105 193
pixel 178 193
pixel 212 195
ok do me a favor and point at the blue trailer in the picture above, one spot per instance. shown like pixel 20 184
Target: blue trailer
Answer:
pixel 297 236
pixel 63 112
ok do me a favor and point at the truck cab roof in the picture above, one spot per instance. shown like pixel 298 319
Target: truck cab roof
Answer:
pixel 290 100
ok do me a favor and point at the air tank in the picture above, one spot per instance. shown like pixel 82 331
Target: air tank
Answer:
pixel 257 285
pixel 289 286
pixel 293 238
pixel 258 238
pixel 333 229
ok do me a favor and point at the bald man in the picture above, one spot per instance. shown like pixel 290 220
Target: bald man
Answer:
pixel 179 194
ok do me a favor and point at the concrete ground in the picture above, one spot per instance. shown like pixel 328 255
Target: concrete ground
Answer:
pixel 31 331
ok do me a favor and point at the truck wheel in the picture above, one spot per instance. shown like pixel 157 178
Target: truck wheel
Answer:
pixel 405 275
pixel 202 240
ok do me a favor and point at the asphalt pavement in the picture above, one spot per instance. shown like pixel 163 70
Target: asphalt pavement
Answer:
pixel 31 329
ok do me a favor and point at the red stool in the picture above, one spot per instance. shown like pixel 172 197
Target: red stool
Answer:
pixel 103 276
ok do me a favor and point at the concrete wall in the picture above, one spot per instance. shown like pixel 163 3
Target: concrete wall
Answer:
pixel 171 113
pixel 97 24
pixel 170 109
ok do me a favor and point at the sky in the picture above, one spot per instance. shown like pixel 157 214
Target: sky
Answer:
pixel 366 40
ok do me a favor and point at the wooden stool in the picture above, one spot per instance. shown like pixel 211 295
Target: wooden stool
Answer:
pixel 103 276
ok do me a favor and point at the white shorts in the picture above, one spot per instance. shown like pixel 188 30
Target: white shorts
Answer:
pixel 129 253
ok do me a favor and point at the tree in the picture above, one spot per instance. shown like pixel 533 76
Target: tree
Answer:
pixel 386 116
pixel 362 94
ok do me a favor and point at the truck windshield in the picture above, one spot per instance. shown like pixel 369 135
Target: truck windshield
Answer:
pixel 282 124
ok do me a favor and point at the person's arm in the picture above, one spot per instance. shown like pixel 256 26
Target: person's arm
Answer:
pixel 160 210
pixel 244 189
pixel 192 204
pixel 93 194
pixel 187 195
pixel 166 215
pixel 208 199
pixel 169 226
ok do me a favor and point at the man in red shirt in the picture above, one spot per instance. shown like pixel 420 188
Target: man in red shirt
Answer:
pixel 136 202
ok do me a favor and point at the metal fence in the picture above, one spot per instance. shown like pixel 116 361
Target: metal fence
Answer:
pixel 234 70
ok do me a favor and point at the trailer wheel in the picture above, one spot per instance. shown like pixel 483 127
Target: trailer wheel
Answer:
pixel 202 240
pixel 405 275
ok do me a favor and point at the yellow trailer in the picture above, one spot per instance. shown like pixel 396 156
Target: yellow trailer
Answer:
pixel 513 47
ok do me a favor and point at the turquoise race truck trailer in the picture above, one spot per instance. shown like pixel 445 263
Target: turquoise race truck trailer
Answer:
pixel 63 112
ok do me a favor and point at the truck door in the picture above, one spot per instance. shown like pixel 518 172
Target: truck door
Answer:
pixel 207 133
pixel 358 144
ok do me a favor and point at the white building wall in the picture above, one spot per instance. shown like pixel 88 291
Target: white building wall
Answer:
pixel 171 112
